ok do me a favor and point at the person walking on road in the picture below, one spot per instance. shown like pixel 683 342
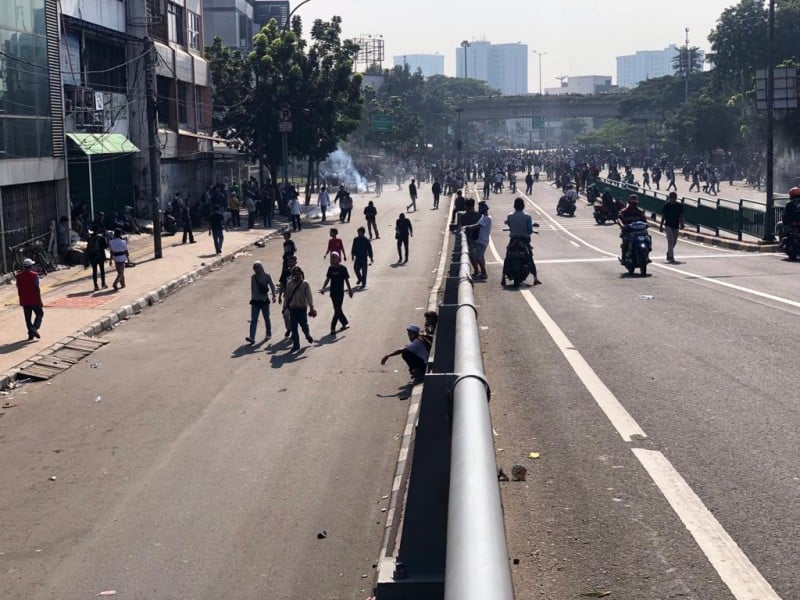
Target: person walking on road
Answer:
pixel 412 193
pixel 670 172
pixel 119 256
pixel 338 277
pixel 672 219
pixel 30 297
pixel 345 207
pixel 436 190
pixel 299 301
pixel 293 204
pixel 216 225
pixel 289 263
pixel 323 201
pixel 415 353
pixel 361 251
pixel 96 247
pixel 235 206
pixel 335 245
pixel 186 221
pixel 260 286
pixel 371 215
pixel 402 231
pixel 529 183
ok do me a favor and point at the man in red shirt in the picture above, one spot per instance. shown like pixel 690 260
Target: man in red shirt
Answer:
pixel 30 297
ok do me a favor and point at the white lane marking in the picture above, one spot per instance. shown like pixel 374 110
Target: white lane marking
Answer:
pixel 608 403
pixel 574 243
pixel 493 248
pixel 697 276
pixel 724 554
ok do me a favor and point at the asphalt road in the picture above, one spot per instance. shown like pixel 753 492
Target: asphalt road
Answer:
pixel 698 359
pixel 189 465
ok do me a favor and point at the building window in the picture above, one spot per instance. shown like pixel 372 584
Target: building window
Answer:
pixel 163 86
pixel 183 105
pixel 193 26
pixel 175 24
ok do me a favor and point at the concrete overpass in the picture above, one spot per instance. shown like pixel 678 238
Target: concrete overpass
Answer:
pixel 603 106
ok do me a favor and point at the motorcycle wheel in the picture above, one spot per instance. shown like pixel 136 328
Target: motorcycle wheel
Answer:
pixel 792 253
pixel 599 220
pixel 630 268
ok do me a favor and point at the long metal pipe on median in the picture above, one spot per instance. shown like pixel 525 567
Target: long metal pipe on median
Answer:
pixel 477 556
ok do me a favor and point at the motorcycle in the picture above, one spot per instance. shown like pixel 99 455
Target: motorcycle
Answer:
pixel 517 264
pixel 790 241
pixel 639 245
pixel 603 213
pixel 565 207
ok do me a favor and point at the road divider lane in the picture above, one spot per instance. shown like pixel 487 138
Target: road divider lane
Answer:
pixel 731 563
pixel 622 421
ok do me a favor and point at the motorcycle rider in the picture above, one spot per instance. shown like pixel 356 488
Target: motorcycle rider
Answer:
pixel 630 214
pixel 520 226
pixel 791 212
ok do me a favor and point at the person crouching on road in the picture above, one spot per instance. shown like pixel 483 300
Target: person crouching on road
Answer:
pixel 415 353
pixel 119 256
pixel 260 286
pixel 298 299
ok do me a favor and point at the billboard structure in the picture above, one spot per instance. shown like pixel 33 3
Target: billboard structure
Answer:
pixel 370 51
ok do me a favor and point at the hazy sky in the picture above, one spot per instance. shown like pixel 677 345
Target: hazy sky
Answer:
pixel 580 37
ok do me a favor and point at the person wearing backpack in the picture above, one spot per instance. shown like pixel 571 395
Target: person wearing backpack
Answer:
pixel 96 247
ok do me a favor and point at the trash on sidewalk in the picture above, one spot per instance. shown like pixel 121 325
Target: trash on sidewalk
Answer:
pixel 518 472
pixel 260 244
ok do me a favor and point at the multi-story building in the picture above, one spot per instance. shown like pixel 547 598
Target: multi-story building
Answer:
pixel 231 20
pixel 264 10
pixel 503 66
pixel 95 51
pixel 33 186
pixel 582 84
pixel 646 64
pixel 428 64
pixel 183 91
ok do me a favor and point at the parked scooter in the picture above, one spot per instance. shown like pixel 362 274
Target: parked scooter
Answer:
pixel 638 246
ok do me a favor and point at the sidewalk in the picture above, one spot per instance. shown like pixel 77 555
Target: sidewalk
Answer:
pixel 72 307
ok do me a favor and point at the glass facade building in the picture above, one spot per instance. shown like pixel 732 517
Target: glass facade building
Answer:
pixel 25 118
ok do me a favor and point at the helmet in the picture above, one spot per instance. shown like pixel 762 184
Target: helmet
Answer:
pixel 633 198
pixel 794 192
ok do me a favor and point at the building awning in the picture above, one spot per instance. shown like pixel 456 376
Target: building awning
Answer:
pixel 102 143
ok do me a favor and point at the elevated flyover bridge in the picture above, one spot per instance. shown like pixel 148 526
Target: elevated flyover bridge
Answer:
pixel 555 107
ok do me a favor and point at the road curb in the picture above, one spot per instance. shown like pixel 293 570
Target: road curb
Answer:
pixel 109 320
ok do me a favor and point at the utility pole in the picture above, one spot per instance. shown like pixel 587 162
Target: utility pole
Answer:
pixel 686 67
pixel 769 220
pixel 540 54
pixel 152 142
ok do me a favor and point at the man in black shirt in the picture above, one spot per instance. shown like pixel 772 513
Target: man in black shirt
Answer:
pixel 216 226
pixel 361 251
pixel 338 277
pixel 436 190
pixel 672 218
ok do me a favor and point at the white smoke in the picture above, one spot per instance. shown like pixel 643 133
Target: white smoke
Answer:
pixel 339 168
pixel 787 172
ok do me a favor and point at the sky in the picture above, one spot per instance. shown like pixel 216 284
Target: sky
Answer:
pixel 579 37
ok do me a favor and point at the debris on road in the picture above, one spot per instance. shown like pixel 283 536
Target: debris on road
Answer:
pixel 322 535
pixel 53 477
pixel 518 472
pixel 98 399
pixel 534 455
pixel 501 476
pixel 94 366
pixel 647 297
pixel 107 593
pixel 598 594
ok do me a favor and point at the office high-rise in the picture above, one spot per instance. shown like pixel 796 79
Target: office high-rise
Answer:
pixel 264 10
pixel 503 66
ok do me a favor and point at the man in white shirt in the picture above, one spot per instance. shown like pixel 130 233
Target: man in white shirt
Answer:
pixel 415 353
pixel 478 249
pixel 323 200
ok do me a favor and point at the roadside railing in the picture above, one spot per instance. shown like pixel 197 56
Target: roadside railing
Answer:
pixel 452 541
pixel 742 217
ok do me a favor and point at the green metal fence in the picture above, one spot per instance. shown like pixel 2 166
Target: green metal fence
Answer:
pixel 742 217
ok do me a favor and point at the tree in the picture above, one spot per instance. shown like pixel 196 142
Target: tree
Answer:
pixel 317 85
pixel 739 45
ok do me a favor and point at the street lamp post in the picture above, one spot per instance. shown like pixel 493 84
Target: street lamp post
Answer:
pixel 289 16
pixel 540 54
pixel 465 45
pixel 769 217
pixel 459 143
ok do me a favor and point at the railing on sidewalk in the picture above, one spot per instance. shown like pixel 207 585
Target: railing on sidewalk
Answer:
pixel 452 543
pixel 742 217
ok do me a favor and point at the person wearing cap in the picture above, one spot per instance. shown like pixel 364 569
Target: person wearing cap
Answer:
pixel 415 353
pixel 30 297
pixel 338 277
pixel 630 214
pixel 672 217
pixel 483 229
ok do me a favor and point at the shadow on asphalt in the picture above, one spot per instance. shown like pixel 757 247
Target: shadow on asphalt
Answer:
pixel 86 293
pixel 403 392
pixel 14 346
